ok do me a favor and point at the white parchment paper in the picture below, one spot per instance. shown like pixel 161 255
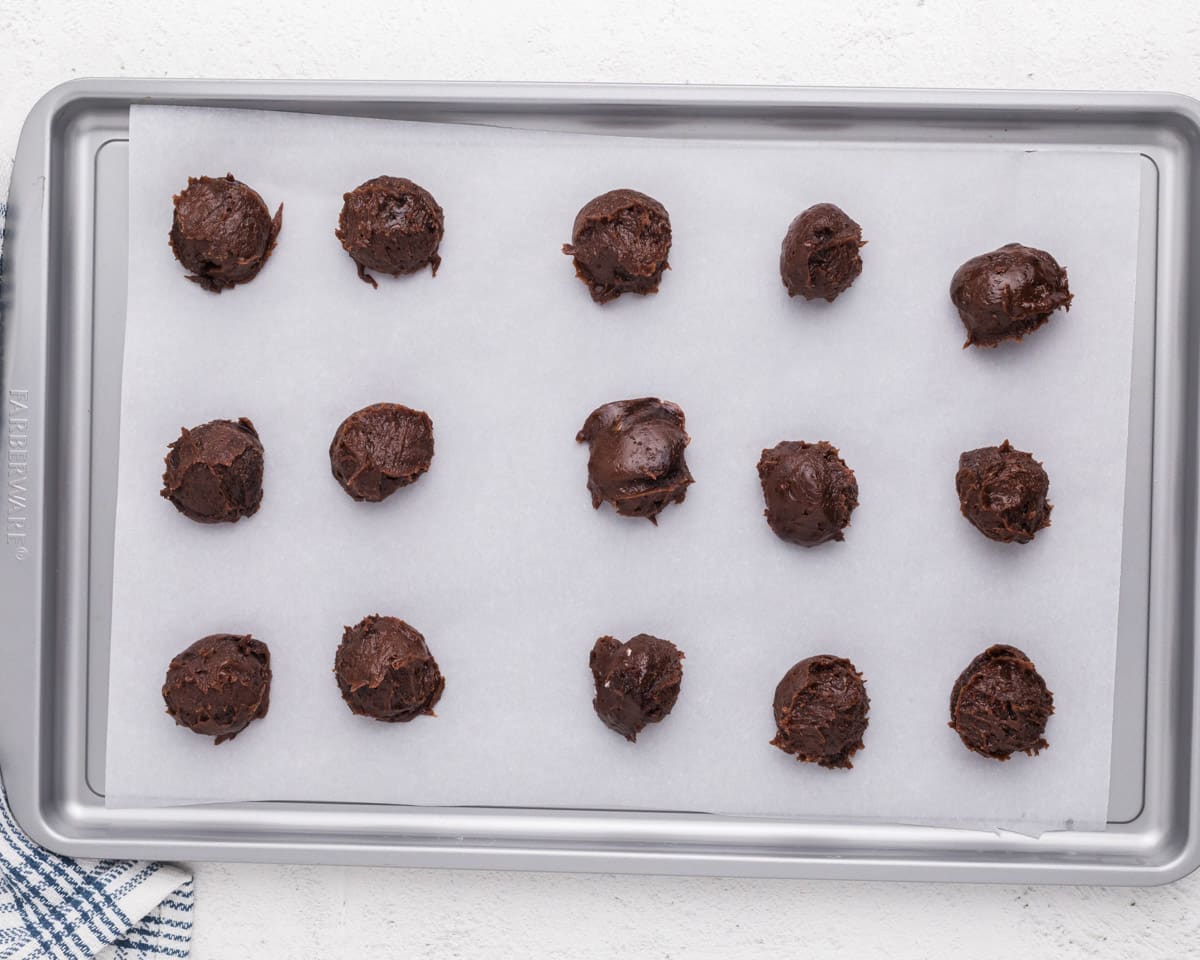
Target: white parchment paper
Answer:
pixel 496 554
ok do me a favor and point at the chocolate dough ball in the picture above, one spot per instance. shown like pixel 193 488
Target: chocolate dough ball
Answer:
pixel 636 682
pixel 391 225
pixel 1002 491
pixel 809 491
pixel 819 258
pixel 821 709
pixel 222 231
pixel 1000 704
pixel 636 461
pixel 620 243
pixel 219 685
pixel 381 448
pixel 215 471
pixel 1007 293
pixel 385 671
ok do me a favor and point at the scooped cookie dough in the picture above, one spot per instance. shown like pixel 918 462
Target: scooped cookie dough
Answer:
pixel 1000 704
pixel 222 231
pixel 620 241
pixel 215 471
pixel 820 258
pixel 219 685
pixel 809 491
pixel 821 707
pixel 637 682
pixel 1002 491
pixel 381 448
pixel 385 671
pixel 391 225
pixel 636 461
pixel 1008 293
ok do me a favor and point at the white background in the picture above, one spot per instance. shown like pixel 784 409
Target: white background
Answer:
pixel 271 911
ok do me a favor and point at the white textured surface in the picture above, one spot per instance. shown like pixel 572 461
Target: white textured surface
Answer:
pixel 269 911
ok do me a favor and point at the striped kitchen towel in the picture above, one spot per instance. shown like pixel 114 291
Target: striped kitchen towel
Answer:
pixel 56 907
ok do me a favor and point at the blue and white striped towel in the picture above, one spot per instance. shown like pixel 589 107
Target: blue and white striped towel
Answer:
pixel 63 909
pixel 56 907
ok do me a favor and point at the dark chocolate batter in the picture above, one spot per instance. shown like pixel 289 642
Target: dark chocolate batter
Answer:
pixel 821 709
pixel 1002 491
pixel 219 685
pixel 809 491
pixel 820 258
pixel 636 682
pixel 1007 293
pixel 636 461
pixel 391 225
pixel 215 471
pixel 620 243
pixel 385 671
pixel 1000 704
pixel 381 448
pixel 222 232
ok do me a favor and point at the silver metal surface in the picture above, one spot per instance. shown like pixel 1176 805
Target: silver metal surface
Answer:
pixel 63 302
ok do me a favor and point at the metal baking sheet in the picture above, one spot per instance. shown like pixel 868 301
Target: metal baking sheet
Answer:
pixel 63 301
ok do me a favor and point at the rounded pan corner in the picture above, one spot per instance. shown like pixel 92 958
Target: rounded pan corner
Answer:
pixel 52 103
pixel 1164 848
pixel 1181 860
pixel 62 826
pixel 1182 112
pixel 28 817
pixel 1181 103
pixel 1171 872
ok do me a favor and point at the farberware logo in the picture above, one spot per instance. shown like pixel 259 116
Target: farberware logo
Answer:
pixel 16 503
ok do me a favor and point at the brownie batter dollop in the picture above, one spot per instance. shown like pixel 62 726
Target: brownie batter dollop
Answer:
pixel 1000 704
pixel 809 490
pixel 219 685
pixel 820 258
pixel 620 243
pixel 385 670
pixel 215 471
pixel 821 709
pixel 636 461
pixel 391 225
pixel 636 682
pixel 222 231
pixel 1002 491
pixel 1008 293
pixel 381 448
